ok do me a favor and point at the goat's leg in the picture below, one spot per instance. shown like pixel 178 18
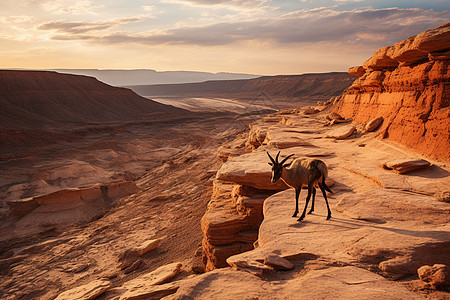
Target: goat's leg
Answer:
pixel 297 195
pixel 313 200
pixel 306 204
pixel 326 200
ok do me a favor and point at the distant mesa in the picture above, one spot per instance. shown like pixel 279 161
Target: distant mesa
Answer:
pixel 144 76
pixel 316 86
pixel 43 99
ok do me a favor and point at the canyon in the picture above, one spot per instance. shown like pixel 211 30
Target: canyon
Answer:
pixel 82 160
pixel 171 203
pixel 266 92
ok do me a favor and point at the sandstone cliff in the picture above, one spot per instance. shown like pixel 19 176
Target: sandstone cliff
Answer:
pixel 407 84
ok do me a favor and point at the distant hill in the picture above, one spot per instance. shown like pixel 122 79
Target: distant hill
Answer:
pixel 42 99
pixel 145 77
pixel 286 86
pixel 284 91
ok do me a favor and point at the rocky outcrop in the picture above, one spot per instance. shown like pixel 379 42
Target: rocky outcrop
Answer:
pixel 382 221
pixel 86 292
pixel 249 169
pixel 321 283
pixel 408 85
pixel 230 222
pixel 150 285
pixel 69 205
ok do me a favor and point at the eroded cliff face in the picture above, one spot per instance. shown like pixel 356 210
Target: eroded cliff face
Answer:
pixel 408 85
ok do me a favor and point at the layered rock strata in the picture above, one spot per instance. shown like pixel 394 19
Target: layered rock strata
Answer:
pixel 408 84
pixel 235 212
pixel 383 222
pixel 69 205
pixel 230 224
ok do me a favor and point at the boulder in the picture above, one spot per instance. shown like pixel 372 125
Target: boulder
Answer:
pixel 381 59
pixel 436 276
pixel 277 262
pixel 251 266
pixel 357 71
pixel 341 133
pixel 402 166
pixel 147 246
pixel 86 292
pixel 373 124
pixel 433 40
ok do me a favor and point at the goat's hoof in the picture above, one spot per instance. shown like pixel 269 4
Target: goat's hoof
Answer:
pixel 310 212
pixel 300 219
pixel 329 217
pixel 295 215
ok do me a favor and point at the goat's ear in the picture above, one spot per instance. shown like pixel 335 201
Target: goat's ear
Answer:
pixel 271 164
pixel 286 165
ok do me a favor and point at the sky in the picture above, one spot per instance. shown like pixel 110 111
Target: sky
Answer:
pixel 264 37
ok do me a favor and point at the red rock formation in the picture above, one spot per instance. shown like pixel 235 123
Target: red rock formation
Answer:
pixel 230 224
pixel 408 85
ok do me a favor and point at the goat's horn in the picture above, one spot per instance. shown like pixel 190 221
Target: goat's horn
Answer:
pixel 285 159
pixel 276 158
pixel 271 159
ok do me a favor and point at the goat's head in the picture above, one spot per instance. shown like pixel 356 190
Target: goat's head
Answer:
pixel 277 167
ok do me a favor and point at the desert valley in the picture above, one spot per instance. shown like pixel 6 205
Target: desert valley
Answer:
pixel 164 191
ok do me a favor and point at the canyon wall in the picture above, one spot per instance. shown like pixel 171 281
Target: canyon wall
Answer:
pixel 408 85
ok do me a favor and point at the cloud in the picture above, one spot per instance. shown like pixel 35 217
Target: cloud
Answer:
pixel 17 19
pixel 76 28
pixel 367 26
pixel 224 3
pixel 78 7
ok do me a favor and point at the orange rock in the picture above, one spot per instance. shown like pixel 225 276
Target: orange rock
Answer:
pixel 341 133
pixel 407 83
pixel 357 71
pixel 373 124
pixel 278 262
pixel 402 166
pixel 86 292
pixel 437 275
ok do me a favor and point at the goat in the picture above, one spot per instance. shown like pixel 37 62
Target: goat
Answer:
pixel 302 172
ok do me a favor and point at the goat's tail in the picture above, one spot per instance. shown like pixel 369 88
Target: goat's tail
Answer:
pixel 324 171
pixel 325 185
